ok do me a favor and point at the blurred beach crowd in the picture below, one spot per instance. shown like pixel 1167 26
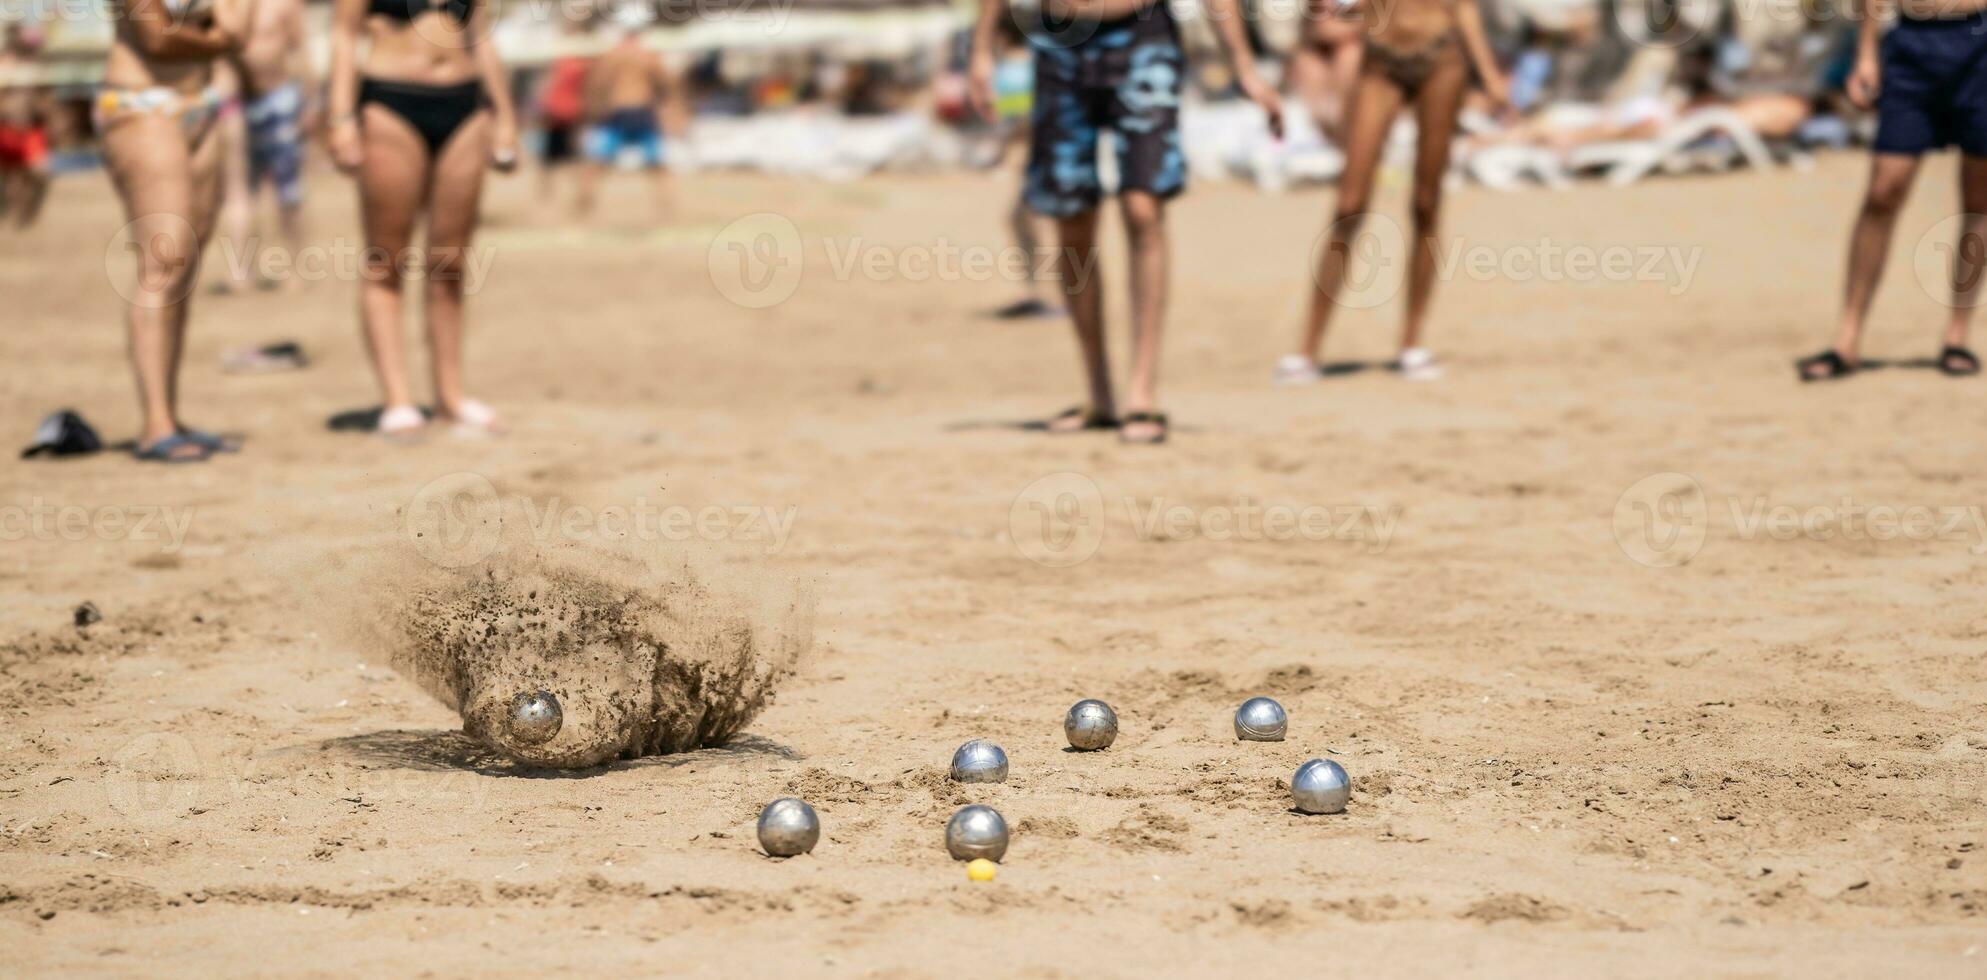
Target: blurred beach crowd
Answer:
pixel 1601 89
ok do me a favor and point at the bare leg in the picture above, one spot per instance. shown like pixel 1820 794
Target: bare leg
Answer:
pixel 589 187
pixel 1435 112
pixel 1891 176
pixel 392 187
pixel 203 206
pixel 151 168
pixel 1145 226
pixel 659 193
pixel 30 190
pixel 1970 252
pixel 1375 100
pixel 1083 292
pixel 237 221
pixel 454 206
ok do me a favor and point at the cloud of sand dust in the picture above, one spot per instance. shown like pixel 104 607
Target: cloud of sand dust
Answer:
pixel 646 655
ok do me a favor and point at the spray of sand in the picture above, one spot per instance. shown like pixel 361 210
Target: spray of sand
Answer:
pixel 644 656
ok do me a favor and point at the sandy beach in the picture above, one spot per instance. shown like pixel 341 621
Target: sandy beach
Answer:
pixel 1644 658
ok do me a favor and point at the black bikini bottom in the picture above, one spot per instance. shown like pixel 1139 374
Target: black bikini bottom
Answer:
pixel 1410 69
pixel 435 111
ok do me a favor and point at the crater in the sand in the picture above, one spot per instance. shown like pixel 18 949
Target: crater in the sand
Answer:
pixel 640 662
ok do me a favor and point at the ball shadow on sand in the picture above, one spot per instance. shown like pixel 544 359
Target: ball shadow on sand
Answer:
pixel 437 750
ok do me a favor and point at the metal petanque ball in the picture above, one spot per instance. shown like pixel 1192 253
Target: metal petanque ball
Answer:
pixel 976 832
pixel 1321 786
pixel 788 827
pixel 1260 720
pixel 979 761
pixel 1090 725
pixel 534 718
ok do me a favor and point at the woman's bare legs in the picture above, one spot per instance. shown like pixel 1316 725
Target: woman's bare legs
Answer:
pixel 1145 226
pixel 1435 110
pixel 1342 76
pixel 454 202
pixel 1083 293
pixel 203 207
pixel 151 166
pixel 393 186
pixel 1375 100
pixel 237 213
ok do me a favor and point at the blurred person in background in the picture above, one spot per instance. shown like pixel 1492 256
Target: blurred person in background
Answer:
pixel 1014 98
pixel 23 128
pixel 1324 64
pixel 156 116
pixel 1118 65
pixel 266 139
pixel 627 92
pixel 418 123
pixel 1928 83
pixel 561 111
pixel 1418 56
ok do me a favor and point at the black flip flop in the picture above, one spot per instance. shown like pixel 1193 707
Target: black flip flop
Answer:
pixel 1146 418
pixel 1092 421
pixel 1958 362
pixel 213 442
pixel 1831 363
pixel 165 450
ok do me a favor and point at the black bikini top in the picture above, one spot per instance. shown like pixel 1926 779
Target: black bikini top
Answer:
pixel 407 10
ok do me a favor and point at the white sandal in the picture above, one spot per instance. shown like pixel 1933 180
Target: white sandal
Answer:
pixel 1418 364
pixel 1296 369
pixel 401 420
pixel 473 418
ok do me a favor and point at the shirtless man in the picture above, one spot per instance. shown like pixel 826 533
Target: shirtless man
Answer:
pixel 1928 82
pixel 1111 64
pixel 276 84
pixel 23 128
pixel 626 94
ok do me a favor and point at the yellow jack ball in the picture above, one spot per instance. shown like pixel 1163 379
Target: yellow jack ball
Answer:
pixel 981 869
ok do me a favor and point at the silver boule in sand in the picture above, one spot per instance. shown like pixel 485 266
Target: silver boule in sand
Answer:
pixel 788 826
pixel 1090 725
pixel 979 761
pixel 1321 786
pixel 1260 720
pixel 534 718
pixel 976 832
